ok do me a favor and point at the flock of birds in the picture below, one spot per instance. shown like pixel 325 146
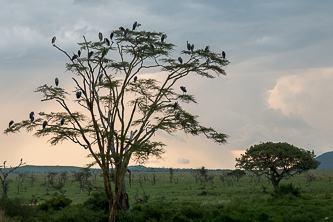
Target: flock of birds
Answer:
pixel 107 41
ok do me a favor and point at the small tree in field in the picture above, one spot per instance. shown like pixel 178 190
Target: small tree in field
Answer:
pixel 277 161
pixel 236 174
pixel 3 178
pixel 120 109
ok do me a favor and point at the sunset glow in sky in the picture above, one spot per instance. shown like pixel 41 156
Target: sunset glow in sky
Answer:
pixel 278 87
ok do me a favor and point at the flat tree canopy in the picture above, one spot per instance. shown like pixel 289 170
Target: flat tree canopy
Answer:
pixel 277 160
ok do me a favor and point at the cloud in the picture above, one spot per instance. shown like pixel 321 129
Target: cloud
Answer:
pixel 278 86
pixel 182 160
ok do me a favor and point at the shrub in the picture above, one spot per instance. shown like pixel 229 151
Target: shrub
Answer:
pixel 97 201
pixel 287 190
pixel 56 203
pixel 15 208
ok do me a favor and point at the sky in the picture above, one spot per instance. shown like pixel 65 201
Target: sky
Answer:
pixel 278 87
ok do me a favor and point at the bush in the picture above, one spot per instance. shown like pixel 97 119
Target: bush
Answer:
pixel 287 189
pixel 16 208
pixel 73 213
pixel 97 201
pixel 56 203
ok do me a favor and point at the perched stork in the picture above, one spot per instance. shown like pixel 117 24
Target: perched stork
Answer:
pixel 31 116
pixel 163 37
pixel 188 46
pixel 207 49
pixel 11 123
pixel 180 60
pixel 100 36
pixel 79 52
pixel 192 47
pixel 135 78
pixel 183 88
pixel 111 35
pixel 125 32
pixel 175 105
pixel 223 54
pixel 56 81
pixel 44 124
pixel 121 28
pixel 74 57
pixel 135 25
pixel 53 40
pixel 62 121
pixel 107 41
pixel 78 94
pixel 90 54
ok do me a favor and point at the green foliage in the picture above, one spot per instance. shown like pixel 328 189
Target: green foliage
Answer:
pixel 287 189
pixel 15 208
pixel 236 174
pixel 97 201
pixel 277 160
pixel 55 203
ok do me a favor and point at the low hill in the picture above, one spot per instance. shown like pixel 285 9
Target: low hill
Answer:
pixel 33 169
pixel 326 160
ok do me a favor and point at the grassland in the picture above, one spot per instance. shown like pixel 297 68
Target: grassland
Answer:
pixel 244 200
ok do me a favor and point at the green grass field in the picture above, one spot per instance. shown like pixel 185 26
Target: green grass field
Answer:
pixel 240 201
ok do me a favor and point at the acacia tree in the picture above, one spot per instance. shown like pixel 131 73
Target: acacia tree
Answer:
pixel 3 178
pixel 277 161
pixel 120 110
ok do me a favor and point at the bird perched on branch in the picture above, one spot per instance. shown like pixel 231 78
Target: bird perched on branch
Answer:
pixel 31 116
pixel 163 37
pixel 180 60
pixel 74 57
pixel 125 32
pixel 188 46
pixel 207 49
pixel 111 35
pixel 223 54
pixel 11 123
pixel 78 94
pixel 56 81
pixel 192 47
pixel 135 78
pixel 44 124
pixel 175 105
pixel 134 25
pixel 100 36
pixel 90 54
pixel 107 41
pixel 79 52
pixel 62 121
pixel 53 40
pixel 183 88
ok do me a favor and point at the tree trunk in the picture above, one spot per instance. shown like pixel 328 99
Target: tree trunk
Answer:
pixel 5 189
pixel 123 202
pixel 275 182
pixel 113 210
